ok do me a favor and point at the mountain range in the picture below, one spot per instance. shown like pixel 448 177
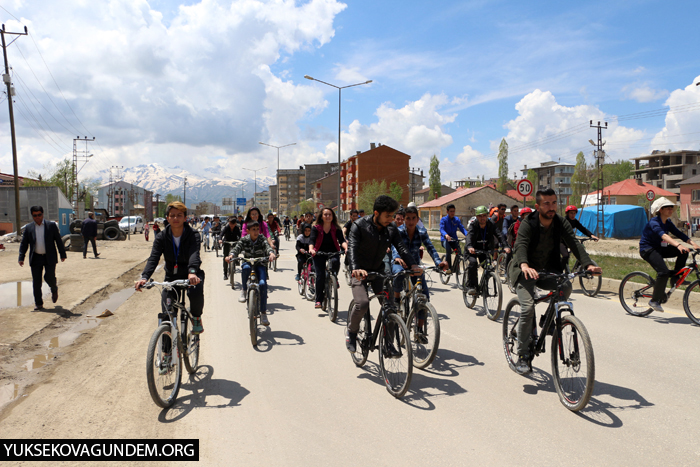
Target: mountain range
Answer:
pixel 204 186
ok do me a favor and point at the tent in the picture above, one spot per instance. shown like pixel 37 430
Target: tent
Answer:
pixel 621 220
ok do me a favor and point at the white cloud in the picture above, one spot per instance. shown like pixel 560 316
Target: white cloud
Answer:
pixel 643 93
pixel 675 135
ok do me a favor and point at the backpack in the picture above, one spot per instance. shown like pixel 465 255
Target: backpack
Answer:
pixel 512 232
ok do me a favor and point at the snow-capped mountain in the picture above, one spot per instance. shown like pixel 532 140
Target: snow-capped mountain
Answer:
pixel 211 187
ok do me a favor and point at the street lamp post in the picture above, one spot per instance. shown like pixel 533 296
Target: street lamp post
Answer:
pixel 255 182
pixel 339 88
pixel 278 170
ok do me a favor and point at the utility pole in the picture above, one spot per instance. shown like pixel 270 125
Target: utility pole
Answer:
pixel 111 204
pixel 84 157
pixel 600 162
pixel 255 184
pixel 184 201
pixel 412 188
pixel 277 175
pixel 157 204
pixel 10 92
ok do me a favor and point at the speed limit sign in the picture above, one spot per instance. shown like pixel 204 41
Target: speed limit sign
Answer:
pixel 524 187
pixel 651 195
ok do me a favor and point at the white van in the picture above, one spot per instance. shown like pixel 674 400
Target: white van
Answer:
pixel 131 224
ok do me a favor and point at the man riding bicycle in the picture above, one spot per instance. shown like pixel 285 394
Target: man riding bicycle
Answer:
pixel 206 227
pixel 369 238
pixel 656 244
pixel 230 233
pixel 274 228
pixel 537 249
pixel 179 245
pixel 449 225
pixel 570 217
pixel 482 234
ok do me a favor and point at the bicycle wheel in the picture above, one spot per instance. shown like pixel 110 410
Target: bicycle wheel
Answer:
pixel 589 286
pixel 253 315
pixel 395 356
pixel 359 357
pixel 332 298
pixel 469 300
pixel 301 284
pixel 274 264
pixel 691 302
pixel 501 266
pixel 457 271
pixel 573 371
pixel 231 272
pixel 511 315
pixel 311 287
pixel 425 338
pixel 191 352
pixel 348 277
pixel 492 295
pixel 163 366
pixel 216 248
pixel 636 289
pixel 510 286
pixel 444 278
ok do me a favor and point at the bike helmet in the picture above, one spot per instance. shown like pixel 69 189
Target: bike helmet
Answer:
pixel 481 210
pixel 571 208
pixel 525 211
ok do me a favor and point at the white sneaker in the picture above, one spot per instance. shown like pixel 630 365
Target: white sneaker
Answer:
pixel 243 297
pixel 656 306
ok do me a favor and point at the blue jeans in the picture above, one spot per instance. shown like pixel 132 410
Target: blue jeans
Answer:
pixel 398 281
pixel 260 270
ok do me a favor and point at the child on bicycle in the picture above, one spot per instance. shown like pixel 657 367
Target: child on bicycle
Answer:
pixel 326 237
pixel 482 234
pixel 302 247
pixel 254 245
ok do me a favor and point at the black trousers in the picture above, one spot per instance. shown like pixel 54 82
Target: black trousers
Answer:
pixel 473 269
pixel 655 257
pixel 195 295
pixel 227 251
pixel 40 264
pixel 85 245
pixel 320 267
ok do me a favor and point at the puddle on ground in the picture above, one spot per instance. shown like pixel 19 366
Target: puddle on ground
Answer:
pixel 17 294
pixel 8 393
pixel 88 321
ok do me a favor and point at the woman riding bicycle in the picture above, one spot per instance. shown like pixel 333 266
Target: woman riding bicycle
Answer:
pixel 575 225
pixel 274 229
pixel 656 244
pixel 255 215
pixel 326 237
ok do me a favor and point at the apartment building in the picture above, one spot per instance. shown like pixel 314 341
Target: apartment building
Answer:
pixel 291 187
pixel 666 169
pixel 125 199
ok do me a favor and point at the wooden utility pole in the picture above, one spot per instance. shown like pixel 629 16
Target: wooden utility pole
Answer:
pixel 10 92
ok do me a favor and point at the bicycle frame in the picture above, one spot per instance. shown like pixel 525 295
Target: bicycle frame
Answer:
pixel 553 314
pixel 172 307
pixel 387 306
pixel 679 279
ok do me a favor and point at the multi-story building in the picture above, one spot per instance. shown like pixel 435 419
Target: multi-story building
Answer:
pixel 315 172
pixel 291 185
pixel 379 163
pixel 262 201
pixel 273 198
pixel 325 191
pixel 125 199
pixel 666 169
pixel 555 175
pixel 467 183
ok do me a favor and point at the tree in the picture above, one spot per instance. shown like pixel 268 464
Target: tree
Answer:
pixel 532 176
pixel 395 191
pixel 502 166
pixel 613 173
pixel 369 191
pixel 307 206
pixel 580 181
pixel 60 175
pixel 434 180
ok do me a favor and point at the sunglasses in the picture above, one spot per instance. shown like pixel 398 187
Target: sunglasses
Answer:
pixel 38 215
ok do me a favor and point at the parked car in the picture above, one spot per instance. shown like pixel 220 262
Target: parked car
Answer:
pixel 131 224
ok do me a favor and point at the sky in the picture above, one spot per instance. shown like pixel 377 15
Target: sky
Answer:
pixel 199 84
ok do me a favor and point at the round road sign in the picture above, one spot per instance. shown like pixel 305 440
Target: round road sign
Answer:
pixel 651 195
pixel 524 187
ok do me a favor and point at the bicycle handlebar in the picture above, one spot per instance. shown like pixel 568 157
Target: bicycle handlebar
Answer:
pixel 252 260
pixel 183 283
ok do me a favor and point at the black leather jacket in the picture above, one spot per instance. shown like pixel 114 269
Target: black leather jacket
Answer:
pixel 367 245
pixel 188 259
pixel 483 239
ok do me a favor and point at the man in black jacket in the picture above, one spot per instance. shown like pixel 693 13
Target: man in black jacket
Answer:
pixel 481 236
pixel 179 245
pixel 230 233
pixel 368 241
pixel 41 236
pixel 89 231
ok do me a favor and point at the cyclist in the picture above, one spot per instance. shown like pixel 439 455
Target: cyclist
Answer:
pixel 449 225
pixel 274 228
pixel 420 222
pixel 287 225
pixel 216 228
pixel 206 227
pixel 230 233
pixel 656 244
pixel 255 215
pixel 302 247
pixel 254 245
pixel 510 219
pixel 327 237
pixel 570 216
pixel 499 216
pixel 399 221
pixel 354 215
pixel 400 217
pixel 537 249
pixel 414 238
pixel 369 238
pixel 179 244
pixel 482 234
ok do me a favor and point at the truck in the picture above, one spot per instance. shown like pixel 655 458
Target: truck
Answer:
pixel 107 229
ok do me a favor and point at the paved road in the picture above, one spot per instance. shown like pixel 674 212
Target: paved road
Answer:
pixel 299 400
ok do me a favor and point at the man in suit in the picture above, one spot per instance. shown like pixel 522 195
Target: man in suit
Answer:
pixel 89 231
pixel 42 238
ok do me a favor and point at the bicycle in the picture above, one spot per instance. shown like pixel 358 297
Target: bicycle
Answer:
pixel 166 349
pixel 275 241
pixel 425 339
pixel 635 291
pixel 231 267
pixel 390 336
pixel 457 261
pixel 206 240
pixel 489 288
pixel 589 285
pixel 307 279
pixel 215 245
pixel 573 362
pixel 253 296
pixel 503 268
pixel 287 234
pixel 330 302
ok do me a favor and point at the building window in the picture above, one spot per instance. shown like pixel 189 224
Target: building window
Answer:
pixel 694 171
pixel 696 196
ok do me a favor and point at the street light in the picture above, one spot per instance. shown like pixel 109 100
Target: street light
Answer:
pixel 339 88
pixel 255 183
pixel 278 170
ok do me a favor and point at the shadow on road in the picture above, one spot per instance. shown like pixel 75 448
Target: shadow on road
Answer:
pixel 601 412
pixel 273 307
pixel 274 288
pixel 59 310
pixel 269 338
pixel 447 361
pixel 205 392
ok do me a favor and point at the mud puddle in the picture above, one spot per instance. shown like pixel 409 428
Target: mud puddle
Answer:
pixel 17 294
pixel 8 393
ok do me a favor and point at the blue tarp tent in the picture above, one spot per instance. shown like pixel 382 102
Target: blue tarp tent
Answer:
pixel 621 220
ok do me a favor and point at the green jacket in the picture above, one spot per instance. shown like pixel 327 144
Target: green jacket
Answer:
pixel 528 237
pixel 252 249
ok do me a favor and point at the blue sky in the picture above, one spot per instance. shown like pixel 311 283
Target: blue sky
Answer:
pixel 199 85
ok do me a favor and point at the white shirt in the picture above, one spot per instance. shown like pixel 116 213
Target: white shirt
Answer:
pixel 40 245
pixel 177 241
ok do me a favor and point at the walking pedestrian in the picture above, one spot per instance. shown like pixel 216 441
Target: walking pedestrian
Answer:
pixel 42 238
pixel 146 230
pixel 89 231
pixel 156 229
